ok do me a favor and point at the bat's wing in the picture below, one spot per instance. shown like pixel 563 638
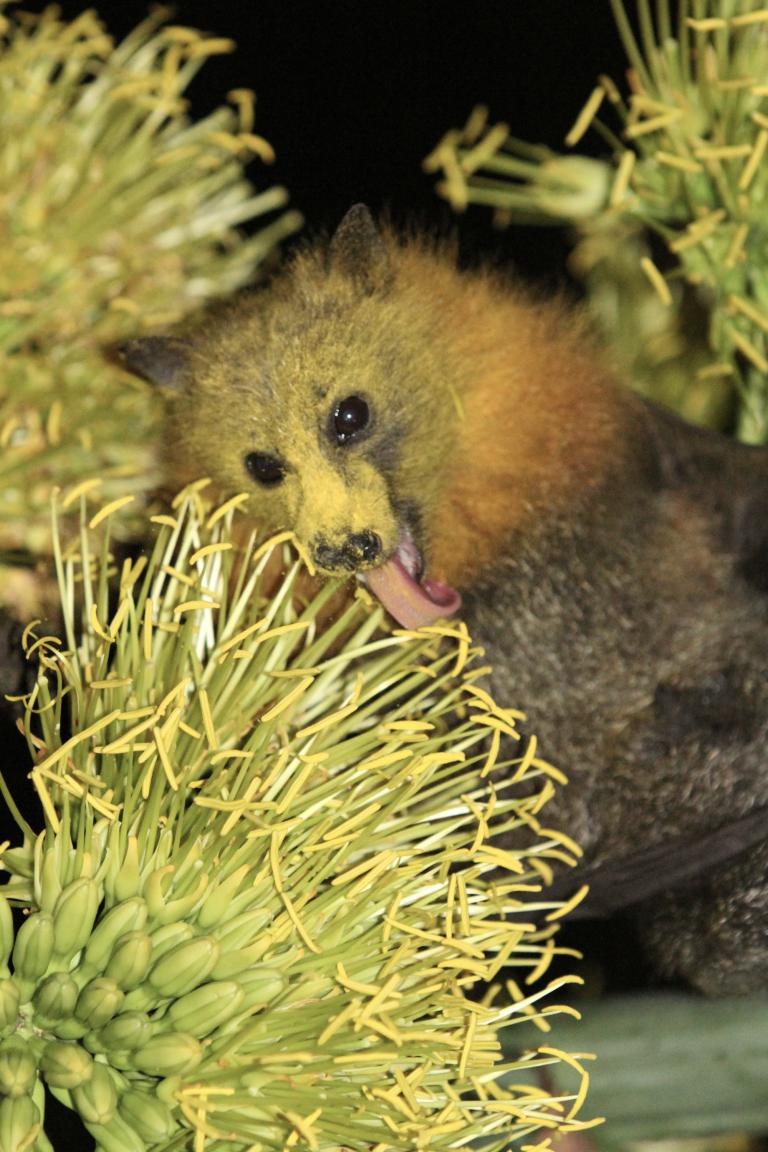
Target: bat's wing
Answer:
pixel 729 479
pixel 724 707
pixel 676 863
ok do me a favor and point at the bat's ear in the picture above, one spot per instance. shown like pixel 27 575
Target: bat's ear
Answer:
pixel 358 250
pixel 161 360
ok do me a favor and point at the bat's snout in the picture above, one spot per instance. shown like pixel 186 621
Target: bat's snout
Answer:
pixel 358 550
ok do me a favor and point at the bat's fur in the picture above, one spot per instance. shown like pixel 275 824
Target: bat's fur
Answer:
pixel 610 557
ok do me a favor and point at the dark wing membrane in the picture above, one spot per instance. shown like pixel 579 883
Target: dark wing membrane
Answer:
pixel 729 479
pixel 677 863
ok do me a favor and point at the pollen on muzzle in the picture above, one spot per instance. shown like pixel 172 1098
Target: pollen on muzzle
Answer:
pixel 356 549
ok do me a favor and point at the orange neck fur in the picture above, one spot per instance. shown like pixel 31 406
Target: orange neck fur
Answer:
pixel 540 423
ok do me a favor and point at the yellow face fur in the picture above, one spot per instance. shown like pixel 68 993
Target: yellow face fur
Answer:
pixel 483 408
pixel 327 492
pixel 273 380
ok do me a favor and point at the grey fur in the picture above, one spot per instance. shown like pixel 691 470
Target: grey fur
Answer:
pixel 639 646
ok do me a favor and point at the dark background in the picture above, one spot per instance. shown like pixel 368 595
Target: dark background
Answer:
pixel 353 94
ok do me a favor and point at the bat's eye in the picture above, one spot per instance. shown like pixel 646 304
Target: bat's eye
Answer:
pixel 350 416
pixel 264 469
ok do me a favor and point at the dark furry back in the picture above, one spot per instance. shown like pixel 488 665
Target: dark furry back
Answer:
pixel 636 635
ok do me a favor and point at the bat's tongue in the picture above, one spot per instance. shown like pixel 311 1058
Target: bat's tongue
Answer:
pixel 411 603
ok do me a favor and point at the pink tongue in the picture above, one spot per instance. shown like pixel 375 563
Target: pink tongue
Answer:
pixel 412 604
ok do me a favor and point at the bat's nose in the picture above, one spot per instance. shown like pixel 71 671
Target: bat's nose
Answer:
pixel 366 545
pixel 359 548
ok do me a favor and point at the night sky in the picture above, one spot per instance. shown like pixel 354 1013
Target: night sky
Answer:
pixel 353 95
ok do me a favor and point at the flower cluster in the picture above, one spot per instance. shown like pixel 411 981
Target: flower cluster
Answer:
pixel 684 193
pixel 118 214
pixel 268 908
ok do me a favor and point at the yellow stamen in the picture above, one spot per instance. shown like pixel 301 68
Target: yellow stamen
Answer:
pixel 569 905
pixel 79 738
pixel 81 490
pixel 653 124
pixel 205 709
pixel 194 606
pixel 707 24
pixel 286 701
pixel 228 506
pixel 683 163
pixel 623 177
pixel 759 16
pixel 585 117
pixel 108 509
pixel 754 161
pixel 747 348
pixel 147 630
pixel 657 281
pixel 162 752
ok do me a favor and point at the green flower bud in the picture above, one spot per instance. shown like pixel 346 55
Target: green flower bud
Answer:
pixel 167 1054
pixel 242 930
pixel 163 940
pixel 125 1032
pixel 168 1089
pixel 128 916
pixel 33 948
pixel 575 188
pixel 19 1120
pixel 55 997
pixel 169 936
pixel 184 967
pixel 217 903
pixel 65 1065
pixel 118 1061
pixel 72 1029
pixel 91 1041
pixel 48 887
pixel 204 1009
pixel 73 916
pixel 18 1067
pixel 42 1143
pixel 96 1099
pixel 98 1002
pixel 128 878
pixel 130 960
pixel 317 987
pixel 6 935
pixel 162 909
pixel 19 862
pixel 140 999
pixel 235 961
pixel 261 986
pixel 255 1081
pixel 10 999
pixel 116 1136
pixel 146 1115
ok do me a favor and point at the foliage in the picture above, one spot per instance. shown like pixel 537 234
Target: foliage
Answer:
pixel 118 215
pixel 671 230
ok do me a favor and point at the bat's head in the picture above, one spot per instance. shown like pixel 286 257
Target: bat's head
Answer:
pixel 324 396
